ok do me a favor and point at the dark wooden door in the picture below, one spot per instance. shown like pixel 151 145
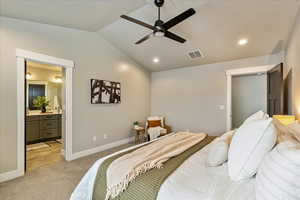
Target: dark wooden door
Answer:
pixel 275 91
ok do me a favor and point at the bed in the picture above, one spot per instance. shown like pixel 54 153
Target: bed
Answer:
pixel 193 180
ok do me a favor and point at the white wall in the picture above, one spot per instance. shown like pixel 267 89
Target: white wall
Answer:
pixel 190 97
pixel 249 95
pixel 293 63
pixel 94 58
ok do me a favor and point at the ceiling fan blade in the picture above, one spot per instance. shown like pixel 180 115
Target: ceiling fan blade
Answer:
pixel 176 20
pixel 138 22
pixel 174 37
pixel 144 39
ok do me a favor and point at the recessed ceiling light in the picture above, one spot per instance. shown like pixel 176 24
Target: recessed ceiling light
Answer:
pixel 156 60
pixel 243 42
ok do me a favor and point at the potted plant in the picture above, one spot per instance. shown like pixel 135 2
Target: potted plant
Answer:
pixel 136 124
pixel 41 102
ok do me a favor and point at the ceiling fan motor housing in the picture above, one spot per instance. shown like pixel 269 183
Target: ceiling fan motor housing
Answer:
pixel 159 3
pixel 159 25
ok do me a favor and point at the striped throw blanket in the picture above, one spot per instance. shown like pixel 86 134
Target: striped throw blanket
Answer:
pixel 125 169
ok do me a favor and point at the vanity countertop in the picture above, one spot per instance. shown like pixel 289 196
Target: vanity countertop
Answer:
pixel 39 113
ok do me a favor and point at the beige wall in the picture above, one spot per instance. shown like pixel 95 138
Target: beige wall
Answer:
pixel 190 98
pixel 293 63
pixel 94 58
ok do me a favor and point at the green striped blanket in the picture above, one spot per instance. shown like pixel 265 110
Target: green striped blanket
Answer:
pixel 147 185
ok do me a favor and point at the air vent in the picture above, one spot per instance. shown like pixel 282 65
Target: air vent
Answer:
pixel 196 54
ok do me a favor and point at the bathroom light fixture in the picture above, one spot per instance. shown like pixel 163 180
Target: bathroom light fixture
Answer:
pixel 243 42
pixel 156 60
pixel 58 79
pixel 28 75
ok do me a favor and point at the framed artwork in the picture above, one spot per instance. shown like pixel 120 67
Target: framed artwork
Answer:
pixel 105 92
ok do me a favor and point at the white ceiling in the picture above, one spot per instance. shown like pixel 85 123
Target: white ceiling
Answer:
pixel 215 28
pixel 90 15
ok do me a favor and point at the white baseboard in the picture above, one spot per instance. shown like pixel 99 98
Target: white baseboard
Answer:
pixel 17 173
pixel 10 175
pixel 101 148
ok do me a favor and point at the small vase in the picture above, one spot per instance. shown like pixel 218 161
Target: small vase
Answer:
pixel 43 109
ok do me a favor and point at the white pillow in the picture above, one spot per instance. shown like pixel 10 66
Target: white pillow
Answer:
pixel 260 115
pixel 250 143
pixel 279 174
pixel 218 151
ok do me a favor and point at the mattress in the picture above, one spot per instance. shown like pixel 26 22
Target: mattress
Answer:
pixel 193 180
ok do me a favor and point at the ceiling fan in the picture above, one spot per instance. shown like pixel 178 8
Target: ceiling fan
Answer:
pixel 161 28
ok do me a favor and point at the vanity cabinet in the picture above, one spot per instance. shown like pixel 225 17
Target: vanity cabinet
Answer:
pixel 43 127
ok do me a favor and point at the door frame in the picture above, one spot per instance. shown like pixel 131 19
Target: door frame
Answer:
pixel 21 57
pixel 237 72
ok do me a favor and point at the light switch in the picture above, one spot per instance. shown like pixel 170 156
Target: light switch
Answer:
pixel 221 107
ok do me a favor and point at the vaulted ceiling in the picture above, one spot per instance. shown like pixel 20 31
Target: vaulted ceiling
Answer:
pixel 215 29
pixel 89 15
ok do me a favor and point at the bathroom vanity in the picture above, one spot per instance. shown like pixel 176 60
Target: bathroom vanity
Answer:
pixel 42 127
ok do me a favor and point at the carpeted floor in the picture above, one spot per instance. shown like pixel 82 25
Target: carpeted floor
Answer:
pixel 53 182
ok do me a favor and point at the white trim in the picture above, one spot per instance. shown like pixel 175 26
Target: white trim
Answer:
pixel 20 115
pixel 68 114
pixel 101 148
pixel 10 175
pixel 249 70
pixel 29 55
pixel 236 72
pixel 229 103
pixel 23 55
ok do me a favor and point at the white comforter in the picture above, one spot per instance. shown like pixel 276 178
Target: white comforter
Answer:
pixel 193 180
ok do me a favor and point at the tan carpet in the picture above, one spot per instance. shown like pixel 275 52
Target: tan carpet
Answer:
pixel 53 182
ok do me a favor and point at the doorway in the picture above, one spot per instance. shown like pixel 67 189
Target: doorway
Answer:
pixel 266 69
pixel 249 95
pixel 23 57
pixel 44 122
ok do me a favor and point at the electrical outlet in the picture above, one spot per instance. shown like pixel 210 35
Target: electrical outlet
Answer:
pixel 94 138
pixel 105 136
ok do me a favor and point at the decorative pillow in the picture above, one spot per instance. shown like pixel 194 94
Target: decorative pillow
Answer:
pixel 154 123
pixel 295 130
pixel 260 115
pixel 250 143
pixel 289 132
pixel 278 175
pixel 218 151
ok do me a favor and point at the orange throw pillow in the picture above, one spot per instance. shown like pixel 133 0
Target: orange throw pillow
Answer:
pixel 154 123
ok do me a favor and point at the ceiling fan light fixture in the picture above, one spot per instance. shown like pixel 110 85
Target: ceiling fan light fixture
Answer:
pixel 161 28
pixel 159 34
